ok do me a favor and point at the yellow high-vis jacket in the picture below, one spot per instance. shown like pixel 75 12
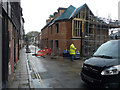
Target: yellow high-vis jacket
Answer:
pixel 72 49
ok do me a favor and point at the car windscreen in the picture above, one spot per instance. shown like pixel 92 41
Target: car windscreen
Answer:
pixel 110 48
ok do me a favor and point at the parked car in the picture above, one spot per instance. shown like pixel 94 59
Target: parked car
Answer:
pixel 103 68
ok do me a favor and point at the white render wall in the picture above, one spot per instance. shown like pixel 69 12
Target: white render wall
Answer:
pixel 119 11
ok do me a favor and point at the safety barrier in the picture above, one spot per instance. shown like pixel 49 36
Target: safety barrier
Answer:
pixel 43 52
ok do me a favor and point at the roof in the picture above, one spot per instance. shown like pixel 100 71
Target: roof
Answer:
pixel 66 14
pixel 47 24
pixel 78 10
pixel 61 8
pixel 71 12
pixel 51 16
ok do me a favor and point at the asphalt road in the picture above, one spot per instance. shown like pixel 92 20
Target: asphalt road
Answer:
pixel 54 73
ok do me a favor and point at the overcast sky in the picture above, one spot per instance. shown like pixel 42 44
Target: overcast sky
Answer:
pixel 35 12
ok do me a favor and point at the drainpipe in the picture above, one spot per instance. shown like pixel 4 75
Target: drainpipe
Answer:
pixel 82 34
pixel 81 44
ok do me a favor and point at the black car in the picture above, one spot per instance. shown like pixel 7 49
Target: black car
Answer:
pixel 103 68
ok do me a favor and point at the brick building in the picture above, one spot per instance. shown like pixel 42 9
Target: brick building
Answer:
pixel 11 28
pixel 22 34
pixel 74 25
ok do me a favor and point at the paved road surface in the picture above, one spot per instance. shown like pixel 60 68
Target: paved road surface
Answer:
pixel 54 73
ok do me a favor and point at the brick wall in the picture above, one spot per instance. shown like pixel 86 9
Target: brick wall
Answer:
pixel 11 62
pixel 63 36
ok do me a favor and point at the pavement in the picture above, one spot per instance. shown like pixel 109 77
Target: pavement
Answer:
pixel 21 76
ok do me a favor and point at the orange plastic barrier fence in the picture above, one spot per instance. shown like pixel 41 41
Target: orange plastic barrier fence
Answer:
pixel 43 52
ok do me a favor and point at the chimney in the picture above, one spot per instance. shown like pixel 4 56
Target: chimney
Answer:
pixel 55 14
pixel 50 18
pixel 119 11
pixel 61 10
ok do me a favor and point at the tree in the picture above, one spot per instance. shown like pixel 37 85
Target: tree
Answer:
pixel 31 34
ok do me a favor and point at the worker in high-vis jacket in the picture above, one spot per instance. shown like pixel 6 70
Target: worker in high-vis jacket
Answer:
pixel 72 51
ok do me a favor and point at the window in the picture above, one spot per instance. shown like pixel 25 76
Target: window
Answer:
pixel 56 42
pixel 57 28
pixel 109 48
pixel 77 29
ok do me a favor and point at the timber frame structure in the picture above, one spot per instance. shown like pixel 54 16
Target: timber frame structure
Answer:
pixel 90 29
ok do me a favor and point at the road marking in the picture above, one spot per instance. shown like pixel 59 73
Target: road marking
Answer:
pixel 36 73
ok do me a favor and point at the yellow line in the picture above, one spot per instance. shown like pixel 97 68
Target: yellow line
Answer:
pixel 36 75
pixel 39 77
pixel 36 72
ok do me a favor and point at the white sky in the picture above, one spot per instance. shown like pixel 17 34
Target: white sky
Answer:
pixel 35 12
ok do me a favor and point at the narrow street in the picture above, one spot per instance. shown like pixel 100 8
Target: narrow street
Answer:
pixel 54 73
pixel 78 48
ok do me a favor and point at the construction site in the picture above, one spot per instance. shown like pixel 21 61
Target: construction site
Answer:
pixel 78 26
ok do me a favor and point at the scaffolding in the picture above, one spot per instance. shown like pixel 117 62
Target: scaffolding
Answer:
pixel 96 34
pixel 91 30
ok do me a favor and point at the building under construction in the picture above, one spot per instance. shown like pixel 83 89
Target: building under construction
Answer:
pixel 75 25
